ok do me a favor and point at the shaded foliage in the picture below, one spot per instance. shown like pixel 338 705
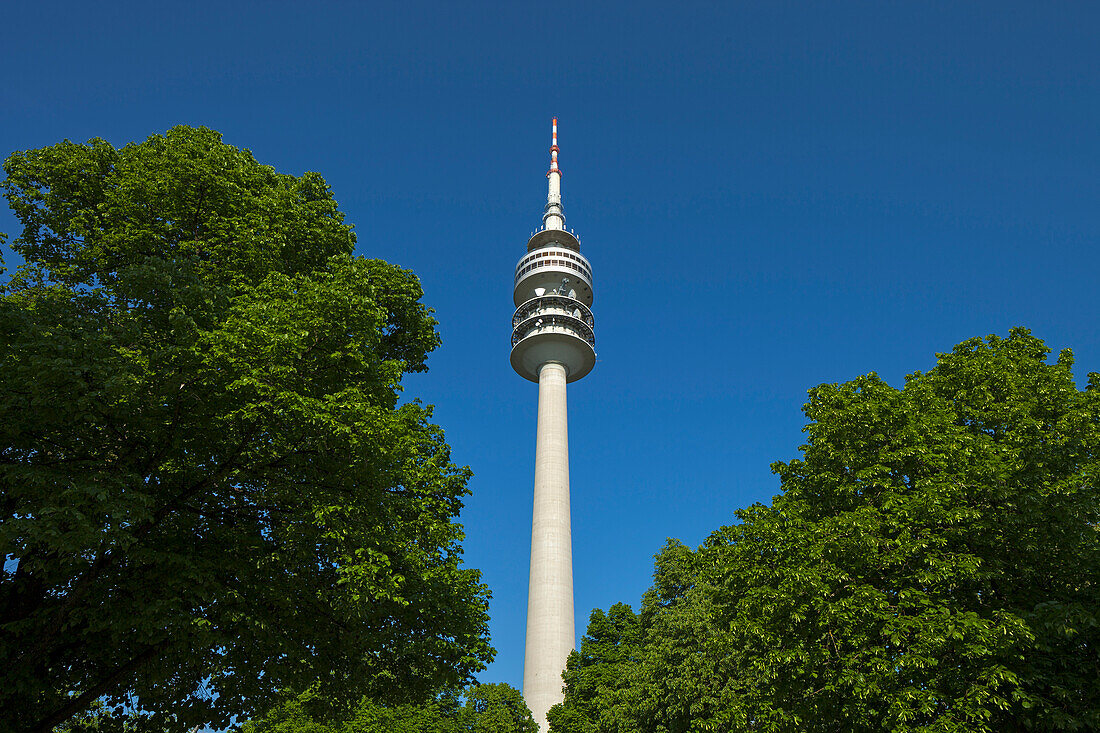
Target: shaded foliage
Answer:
pixel 488 708
pixel 210 487
pixel 594 675
pixel 932 564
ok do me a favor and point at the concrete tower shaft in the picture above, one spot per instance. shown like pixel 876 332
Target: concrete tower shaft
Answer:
pixel 553 343
pixel 550 630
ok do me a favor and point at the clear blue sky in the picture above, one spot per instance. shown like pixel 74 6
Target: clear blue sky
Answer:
pixel 772 195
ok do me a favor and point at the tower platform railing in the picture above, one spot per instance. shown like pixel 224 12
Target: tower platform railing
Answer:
pixel 553 313
pixel 556 323
pixel 553 303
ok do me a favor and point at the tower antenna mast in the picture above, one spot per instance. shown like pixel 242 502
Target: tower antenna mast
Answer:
pixel 554 216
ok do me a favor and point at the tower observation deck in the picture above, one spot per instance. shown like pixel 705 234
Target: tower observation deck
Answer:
pixel 553 343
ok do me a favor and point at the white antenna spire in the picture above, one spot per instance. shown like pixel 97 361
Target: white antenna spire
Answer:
pixel 554 218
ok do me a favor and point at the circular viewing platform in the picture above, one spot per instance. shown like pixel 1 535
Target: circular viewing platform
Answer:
pixel 553 238
pixel 545 268
pixel 553 328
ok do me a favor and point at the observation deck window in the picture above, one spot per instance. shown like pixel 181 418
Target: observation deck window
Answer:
pixel 553 258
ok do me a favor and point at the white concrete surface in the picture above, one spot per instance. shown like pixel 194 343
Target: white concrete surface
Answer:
pixel 554 218
pixel 550 630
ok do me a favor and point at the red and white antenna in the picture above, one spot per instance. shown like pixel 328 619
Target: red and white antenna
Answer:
pixel 554 216
pixel 554 150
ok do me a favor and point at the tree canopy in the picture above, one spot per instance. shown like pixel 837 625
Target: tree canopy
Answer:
pixel 932 564
pixel 488 708
pixel 211 489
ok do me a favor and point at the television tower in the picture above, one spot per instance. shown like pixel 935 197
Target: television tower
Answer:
pixel 552 344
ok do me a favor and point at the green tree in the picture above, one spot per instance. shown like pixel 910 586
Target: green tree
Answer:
pixel 933 564
pixel 210 488
pixel 101 719
pixel 497 708
pixel 595 675
pixel 308 714
pixel 489 708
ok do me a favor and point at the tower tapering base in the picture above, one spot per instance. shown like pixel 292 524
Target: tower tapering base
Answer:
pixel 550 631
